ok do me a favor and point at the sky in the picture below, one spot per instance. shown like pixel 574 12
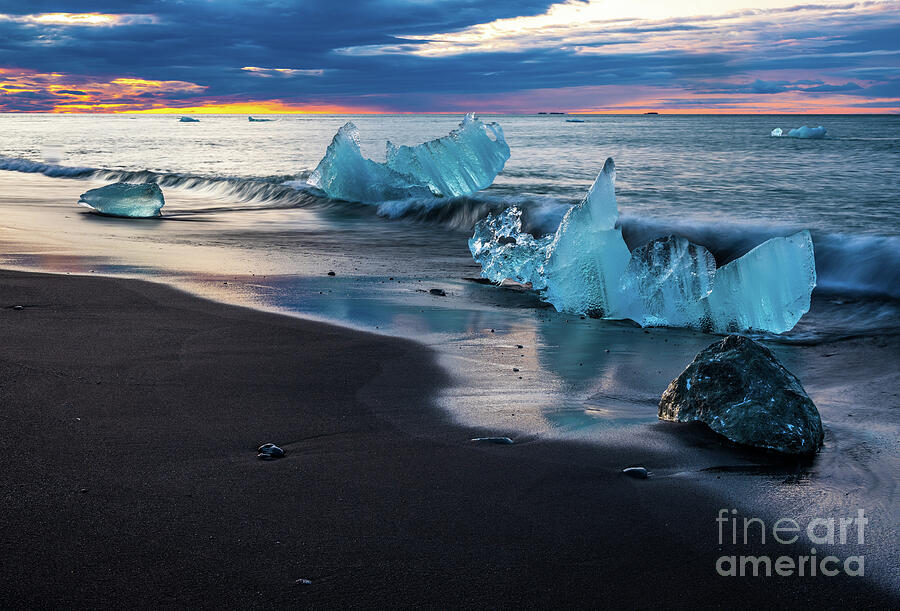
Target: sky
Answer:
pixel 408 56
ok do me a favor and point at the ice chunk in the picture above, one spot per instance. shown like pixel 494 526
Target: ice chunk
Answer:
pixel 586 268
pixel 345 174
pixel 188 120
pixel 505 251
pixel 777 132
pixel 666 280
pixel 768 289
pixel 252 120
pixel 465 161
pixel 125 199
pixel 588 255
pixel 808 132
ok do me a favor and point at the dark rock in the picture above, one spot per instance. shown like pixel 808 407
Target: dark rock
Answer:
pixel 331 273
pixel 739 389
pixel 18 307
pixel 269 451
pixel 438 292
pixel 499 440
pixel 636 472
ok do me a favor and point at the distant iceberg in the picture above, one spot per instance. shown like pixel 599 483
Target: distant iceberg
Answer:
pixel 253 120
pixel 586 268
pixel 188 120
pixel 808 132
pixel 125 199
pixel 465 161
pixel 802 132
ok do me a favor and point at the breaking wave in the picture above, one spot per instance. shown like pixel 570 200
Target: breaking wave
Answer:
pixel 865 265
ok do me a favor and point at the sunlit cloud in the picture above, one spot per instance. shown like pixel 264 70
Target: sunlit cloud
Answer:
pixel 57 92
pixel 599 27
pixel 26 90
pixel 282 72
pixel 79 19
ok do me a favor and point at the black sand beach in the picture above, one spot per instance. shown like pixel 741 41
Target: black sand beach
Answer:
pixel 130 413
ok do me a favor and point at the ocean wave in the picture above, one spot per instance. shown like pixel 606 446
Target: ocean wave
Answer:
pixel 15 164
pixel 845 263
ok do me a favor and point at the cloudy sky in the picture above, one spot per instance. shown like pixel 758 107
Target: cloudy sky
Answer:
pixel 255 56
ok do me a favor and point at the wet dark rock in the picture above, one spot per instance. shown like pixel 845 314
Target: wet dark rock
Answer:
pixel 331 273
pixel 438 292
pixel 739 389
pixel 515 369
pixel 498 440
pixel 636 472
pixel 269 451
pixel 18 307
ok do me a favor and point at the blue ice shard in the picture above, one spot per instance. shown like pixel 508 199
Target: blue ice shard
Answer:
pixel 768 289
pixel 343 173
pixel 808 132
pixel 588 255
pixel 666 281
pixel 188 120
pixel 505 251
pixel 586 268
pixel 125 199
pixel 463 162
pixel 777 132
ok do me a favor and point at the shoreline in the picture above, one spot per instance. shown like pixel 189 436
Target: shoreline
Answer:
pixel 132 411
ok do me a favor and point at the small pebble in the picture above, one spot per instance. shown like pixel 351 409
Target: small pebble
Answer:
pixel 515 369
pixel 636 472
pixel 302 582
pixel 331 273
pixel 500 440
pixel 519 346
pixel 438 292
pixel 18 307
pixel 269 451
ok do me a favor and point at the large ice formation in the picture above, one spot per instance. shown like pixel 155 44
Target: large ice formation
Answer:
pixel 586 268
pixel 125 199
pixel 465 161
pixel 808 132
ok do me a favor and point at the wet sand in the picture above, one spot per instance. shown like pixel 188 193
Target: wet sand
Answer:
pixel 130 417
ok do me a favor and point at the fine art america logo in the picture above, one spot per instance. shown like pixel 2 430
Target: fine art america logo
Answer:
pixel 735 531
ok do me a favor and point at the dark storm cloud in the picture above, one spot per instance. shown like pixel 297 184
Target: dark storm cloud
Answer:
pixel 208 43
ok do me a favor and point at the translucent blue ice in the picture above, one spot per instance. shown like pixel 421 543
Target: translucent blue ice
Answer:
pixel 668 278
pixel 808 132
pixel 586 268
pixel 125 199
pixel 777 132
pixel 463 162
pixel 768 289
pixel 343 173
pixel 188 120
pixel 588 255
pixel 505 251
